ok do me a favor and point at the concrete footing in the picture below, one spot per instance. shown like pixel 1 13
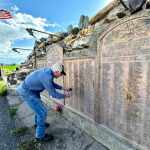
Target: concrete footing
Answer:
pixel 101 133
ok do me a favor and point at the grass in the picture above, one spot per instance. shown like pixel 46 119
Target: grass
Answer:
pixel 3 88
pixel 8 69
pixel 12 111
pixel 19 131
pixel 29 145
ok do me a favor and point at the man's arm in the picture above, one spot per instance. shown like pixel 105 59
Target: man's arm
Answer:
pixel 57 86
pixel 48 84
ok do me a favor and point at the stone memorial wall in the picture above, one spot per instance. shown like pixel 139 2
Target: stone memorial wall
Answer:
pixel 124 58
pixel 81 77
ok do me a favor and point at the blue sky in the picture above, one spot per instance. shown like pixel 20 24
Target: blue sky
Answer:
pixel 45 15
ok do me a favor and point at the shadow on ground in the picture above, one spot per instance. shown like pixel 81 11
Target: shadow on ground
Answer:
pixel 66 137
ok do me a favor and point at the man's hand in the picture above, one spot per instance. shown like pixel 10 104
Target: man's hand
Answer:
pixel 67 93
pixel 58 107
pixel 68 89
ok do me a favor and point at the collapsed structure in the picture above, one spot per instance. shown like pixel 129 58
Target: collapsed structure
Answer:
pixel 107 66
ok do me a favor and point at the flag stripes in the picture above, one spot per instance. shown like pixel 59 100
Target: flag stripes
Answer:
pixel 4 14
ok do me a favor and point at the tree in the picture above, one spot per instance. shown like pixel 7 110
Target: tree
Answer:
pixel 75 31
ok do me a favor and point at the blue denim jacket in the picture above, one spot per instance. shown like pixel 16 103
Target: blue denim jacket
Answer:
pixel 42 79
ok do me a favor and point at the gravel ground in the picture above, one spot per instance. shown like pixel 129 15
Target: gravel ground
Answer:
pixel 66 135
pixel 7 140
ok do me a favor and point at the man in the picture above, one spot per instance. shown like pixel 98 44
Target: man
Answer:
pixel 30 89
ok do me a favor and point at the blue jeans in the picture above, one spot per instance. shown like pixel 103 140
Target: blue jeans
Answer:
pixel 34 101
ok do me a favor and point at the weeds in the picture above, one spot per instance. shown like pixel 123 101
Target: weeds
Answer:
pixel 19 131
pixel 12 111
pixel 29 145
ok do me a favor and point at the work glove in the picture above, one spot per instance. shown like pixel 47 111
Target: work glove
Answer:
pixel 58 107
pixel 68 89
pixel 68 93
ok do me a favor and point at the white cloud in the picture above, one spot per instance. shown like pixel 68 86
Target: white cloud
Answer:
pixel 14 29
pixel 14 8
pixel 107 2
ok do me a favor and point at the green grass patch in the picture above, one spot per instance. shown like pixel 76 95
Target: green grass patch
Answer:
pixel 29 145
pixel 9 69
pixel 12 111
pixel 3 88
pixel 19 131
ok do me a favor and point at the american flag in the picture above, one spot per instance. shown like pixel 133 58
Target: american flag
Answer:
pixel 4 14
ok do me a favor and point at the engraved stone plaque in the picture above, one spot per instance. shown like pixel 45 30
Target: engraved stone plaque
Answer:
pixel 124 79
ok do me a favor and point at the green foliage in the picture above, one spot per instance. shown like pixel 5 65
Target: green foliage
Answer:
pixel 75 30
pixel 8 72
pixel 29 145
pixel 19 131
pixel 8 69
pixel 12 111
pixel 3 88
